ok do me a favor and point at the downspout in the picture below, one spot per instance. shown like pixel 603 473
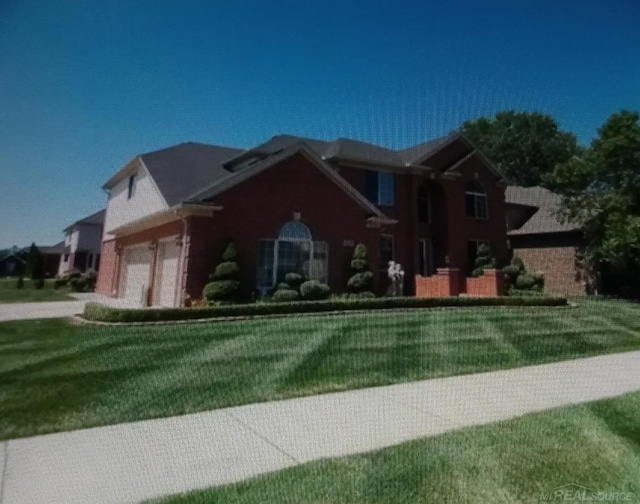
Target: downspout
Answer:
pixel 183 256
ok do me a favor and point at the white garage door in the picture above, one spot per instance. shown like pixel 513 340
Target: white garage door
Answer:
pixel 136 268
pixel 166 273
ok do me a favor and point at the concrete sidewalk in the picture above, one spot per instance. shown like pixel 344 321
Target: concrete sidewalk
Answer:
pixel 140 460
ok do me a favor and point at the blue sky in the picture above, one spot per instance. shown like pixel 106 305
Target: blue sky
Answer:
pixel 86 85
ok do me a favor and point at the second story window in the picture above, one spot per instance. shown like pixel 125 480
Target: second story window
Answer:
pixel 132 186
pixel 476 200
pixel 380 188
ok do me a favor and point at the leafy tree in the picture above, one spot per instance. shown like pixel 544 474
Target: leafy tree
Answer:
pixel 35 263
pixel 524 146
pixel 601 190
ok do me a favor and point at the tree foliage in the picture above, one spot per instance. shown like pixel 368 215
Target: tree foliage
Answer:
pixel 524 146
pixel 35 263
pixel 601 191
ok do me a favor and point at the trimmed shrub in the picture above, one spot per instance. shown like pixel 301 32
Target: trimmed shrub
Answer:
pixel 91 277
pixel 226 271
pixel 362 295
pixel 20 283
pixel 525 281
pixel 285 296
pixel 293 280
pixel 512 271
pixel 483 261
pixel 517 262
pixel 283 286
pixel 60 282
pixel 224 285
pixel 74 273
pixel 97 312
pixel 38 283
pixel 222 290
pixel 78 284
pixel 360 282
pixel 538 280
pixel 361 279
pixel 313 290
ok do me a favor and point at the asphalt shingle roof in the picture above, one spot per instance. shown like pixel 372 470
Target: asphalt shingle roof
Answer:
pixel 544 220
pixel 94 218
pixel 182 170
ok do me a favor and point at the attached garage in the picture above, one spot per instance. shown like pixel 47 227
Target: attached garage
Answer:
pixel 136 269
pixel 164 292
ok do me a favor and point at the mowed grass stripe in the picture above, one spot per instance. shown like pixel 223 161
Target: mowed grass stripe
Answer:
pixel 83 376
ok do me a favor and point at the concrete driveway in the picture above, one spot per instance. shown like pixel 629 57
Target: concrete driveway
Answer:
pixel 57 309
pixel 133 461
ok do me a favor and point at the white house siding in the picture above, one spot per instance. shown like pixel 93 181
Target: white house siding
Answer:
pixel 146 200
pixel 64 265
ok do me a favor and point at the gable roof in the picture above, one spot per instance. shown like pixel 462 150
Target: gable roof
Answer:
pixel 95 218
pixel 58 248
pixel 544 219
pixel 281 154
pixel 183 169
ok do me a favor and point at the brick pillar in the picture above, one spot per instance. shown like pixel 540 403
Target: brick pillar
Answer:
pixel 496 279
pixel 450 278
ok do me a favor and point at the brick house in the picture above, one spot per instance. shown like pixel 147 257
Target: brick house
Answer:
pixel 296 204
pixel 545 244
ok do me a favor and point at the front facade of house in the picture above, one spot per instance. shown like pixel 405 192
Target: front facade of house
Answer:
pixel 82 245
pixel 295 204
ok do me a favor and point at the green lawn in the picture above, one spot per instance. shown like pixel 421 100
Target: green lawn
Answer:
pixel 28 294
pixel 56 376
pixel 594 445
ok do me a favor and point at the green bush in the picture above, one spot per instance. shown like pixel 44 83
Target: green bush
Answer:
pixel 483 261
pixel 74 273
pixel 60 282
pixel 285 296
pixel 525 281
pixel 538 280
pixel 78 284
pixel 38 283
pixel 91 277
pixel 102 313
pixel 313 290
pixel 360 282
pixel 226 271
pixel 362 295
pixel 361 279
pixel 512 271
pixel 293 280
pixel 20 283
pixel 517 262
pixel 283 286
pixel 224 285
pixel 221 290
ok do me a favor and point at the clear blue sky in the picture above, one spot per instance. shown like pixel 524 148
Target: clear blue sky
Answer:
pixel 86 85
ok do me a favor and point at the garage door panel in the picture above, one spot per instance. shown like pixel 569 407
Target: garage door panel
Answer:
pixel 136 269
pixel 166 274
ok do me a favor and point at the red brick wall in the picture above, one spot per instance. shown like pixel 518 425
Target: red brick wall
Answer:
pixel 490 284
pixel 107 271
pixel 558 264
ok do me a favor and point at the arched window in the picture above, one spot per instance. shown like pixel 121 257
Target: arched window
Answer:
pixel 476 200
pixel 424 204
pixel 294 251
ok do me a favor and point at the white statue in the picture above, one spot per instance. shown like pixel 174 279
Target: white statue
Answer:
pixel 396 276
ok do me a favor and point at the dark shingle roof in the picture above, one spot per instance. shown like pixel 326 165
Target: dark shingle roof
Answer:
pixel 181 170
pixel 58 248
pixel 95 218
pixel 544 220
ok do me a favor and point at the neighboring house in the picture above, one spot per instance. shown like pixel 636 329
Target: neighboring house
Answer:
pixel 51 257
pixel 545 244
pixel 82 244
pixel 13 264
pixel 296 204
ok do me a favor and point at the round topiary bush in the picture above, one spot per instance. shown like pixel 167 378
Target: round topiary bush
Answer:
pixel 285 296
pixel 512 271
pixel 226 271
pixel 360 282
pixel 517 262
pixel 294 280
pixel 284 286
pixel 525 281
pixel 78 284
pixel 221 290
pixel 538 280
pixel 314 290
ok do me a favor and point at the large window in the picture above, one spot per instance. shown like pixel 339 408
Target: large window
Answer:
pixel 425 258
pixel 293 251
pixel 385 251
pixel 424 204
pixel 380 188
pixel 476 200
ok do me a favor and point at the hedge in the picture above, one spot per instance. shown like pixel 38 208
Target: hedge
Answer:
pixel 97 312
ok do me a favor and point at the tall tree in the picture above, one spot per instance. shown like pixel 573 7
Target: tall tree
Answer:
pixel 524 146
pixel 601 190
pixel 35 263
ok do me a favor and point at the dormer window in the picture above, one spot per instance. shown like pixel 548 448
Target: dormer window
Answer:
pixel 476 200
pixel 132 185
pixel 380 188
